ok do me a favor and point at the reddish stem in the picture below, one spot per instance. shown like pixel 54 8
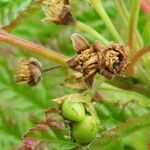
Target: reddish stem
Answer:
pixel 33 47
pixel 136 57
pixel 145 6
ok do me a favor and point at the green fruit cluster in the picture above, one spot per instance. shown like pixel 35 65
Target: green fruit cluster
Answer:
pixel 85 127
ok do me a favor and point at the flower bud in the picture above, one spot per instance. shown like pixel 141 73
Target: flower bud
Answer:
pixel 72 108
pixel 86 130
pixel 28 71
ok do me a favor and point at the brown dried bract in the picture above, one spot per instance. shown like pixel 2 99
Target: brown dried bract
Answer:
pixel 58 11
pixel 109 61
pixel 28 71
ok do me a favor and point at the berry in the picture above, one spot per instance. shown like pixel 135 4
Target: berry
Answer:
pixel 86 130
pixel 73 111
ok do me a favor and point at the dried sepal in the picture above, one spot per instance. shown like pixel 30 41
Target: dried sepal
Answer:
pixel 79 43
pixel 109 61
pixel 58 12
pixel 28 71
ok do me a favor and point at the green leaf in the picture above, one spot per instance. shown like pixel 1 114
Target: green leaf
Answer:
pixel 10 10
pixel 126 128
pixel 115 94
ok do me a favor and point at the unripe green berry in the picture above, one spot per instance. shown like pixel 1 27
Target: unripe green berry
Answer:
pixel 73 111
pixel 86 130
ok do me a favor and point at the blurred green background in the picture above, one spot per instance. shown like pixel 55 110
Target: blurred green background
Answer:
pixel 22 106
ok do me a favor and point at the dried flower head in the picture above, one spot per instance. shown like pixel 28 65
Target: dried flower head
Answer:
pixel 113 59
pixel 58 11
pixel 109 61
pixel 28 71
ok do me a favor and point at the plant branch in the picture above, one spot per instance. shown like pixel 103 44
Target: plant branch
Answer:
pixel 97 5
pixel 133 21
pixel 34 48
pixel 125 17
pixel 136 57
pixel 50 69
pixel 91 31
pixel 122 11
pixel 126 128
pixel 145 6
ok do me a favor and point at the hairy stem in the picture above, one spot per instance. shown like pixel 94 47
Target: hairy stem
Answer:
pixel 136 57
pixel 32 47
pixel 122 130
pixel 133 20
pixel 91 31
pixel 97 5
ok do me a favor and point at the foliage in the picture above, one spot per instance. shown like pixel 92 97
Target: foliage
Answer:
pixel 22 107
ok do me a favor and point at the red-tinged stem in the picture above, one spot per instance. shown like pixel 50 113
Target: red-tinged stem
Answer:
pixel 145 6
pixel 34 48
pixel 136 57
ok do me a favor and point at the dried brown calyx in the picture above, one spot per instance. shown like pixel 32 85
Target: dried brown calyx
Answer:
pixel 109 61
pixel 58 11
pixel 28 71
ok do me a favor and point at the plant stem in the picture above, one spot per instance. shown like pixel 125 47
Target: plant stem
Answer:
pixel 91 31
pixel 122 11
pixel 145 5
pixel 97 5
pixel 133 20
pixel 136 57
pixel 125 17
pixel 51 68
pixel 126 128
pixel 34 48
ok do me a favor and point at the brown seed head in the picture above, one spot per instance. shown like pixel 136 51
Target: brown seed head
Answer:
pixel 109 61
pixel 28 71
pixel 113 59
pixel 58 11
